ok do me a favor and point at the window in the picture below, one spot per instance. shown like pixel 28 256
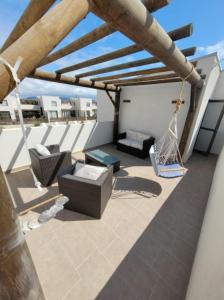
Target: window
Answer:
pixel 53 114
pixel 66 114
pixel 53 103
pixel 5 102
pixel 88 104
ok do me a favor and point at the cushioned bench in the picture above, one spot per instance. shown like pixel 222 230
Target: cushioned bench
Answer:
pixel 135 143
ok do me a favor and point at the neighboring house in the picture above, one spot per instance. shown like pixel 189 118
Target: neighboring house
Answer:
pixel 51 107
pixel 85 107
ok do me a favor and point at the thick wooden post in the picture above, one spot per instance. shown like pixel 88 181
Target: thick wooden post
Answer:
pixel 145 31
pixel 18 278
pixel 34 11
pixel 195 95
pixel 40 39
pixel 116 116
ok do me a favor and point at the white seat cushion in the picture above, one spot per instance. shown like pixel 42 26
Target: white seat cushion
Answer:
pixel 141 137
pixel 42 150
pixel 131 143
pixel 88 171
pixel 131 135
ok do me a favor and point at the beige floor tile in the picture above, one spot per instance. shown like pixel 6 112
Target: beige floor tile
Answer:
pixel 96 270
pixel 55 270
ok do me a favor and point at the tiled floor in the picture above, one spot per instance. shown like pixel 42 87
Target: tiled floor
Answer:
pixel 142 248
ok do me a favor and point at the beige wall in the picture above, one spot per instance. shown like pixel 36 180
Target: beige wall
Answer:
pixel 207 278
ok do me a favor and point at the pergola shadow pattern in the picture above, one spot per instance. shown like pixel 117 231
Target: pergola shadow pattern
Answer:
pixel 141 248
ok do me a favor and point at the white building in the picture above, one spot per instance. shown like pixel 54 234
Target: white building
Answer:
pixel 51 107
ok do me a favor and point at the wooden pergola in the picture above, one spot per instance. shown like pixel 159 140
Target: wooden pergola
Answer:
pixel 40 30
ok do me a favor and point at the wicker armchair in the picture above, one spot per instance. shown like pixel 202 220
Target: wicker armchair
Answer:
pixel 86 196
pixel 46 168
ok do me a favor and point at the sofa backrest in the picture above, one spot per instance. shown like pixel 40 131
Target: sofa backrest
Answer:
pixel 136 136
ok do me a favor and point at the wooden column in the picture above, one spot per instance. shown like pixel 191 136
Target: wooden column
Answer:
pixel 34 11
pixel 195 95
pixel 40 39
pixel 18 277
pixel 116 116
pixel 145 31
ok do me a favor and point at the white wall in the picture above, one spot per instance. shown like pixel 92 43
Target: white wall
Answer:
pixel 211 69
pixel 72 137
pixel 218 94
pixel 151 108
pixel 105 109
pixel 207 277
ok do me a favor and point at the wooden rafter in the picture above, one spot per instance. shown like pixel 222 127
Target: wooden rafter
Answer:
pixel 54 77
pixel 96 34
pixel 87 39
pixel 176 34
pixel 40 39
pixel 150 82
pixel 131 64
pixel 34 11
pixel 156 4
pixel 130 74
pixel 152 38
pixel 143 78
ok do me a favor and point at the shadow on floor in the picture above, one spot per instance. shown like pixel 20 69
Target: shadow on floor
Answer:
pixel 159 264
pixel 23 190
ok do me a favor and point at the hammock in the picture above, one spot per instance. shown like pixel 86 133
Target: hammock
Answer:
pixel 164 154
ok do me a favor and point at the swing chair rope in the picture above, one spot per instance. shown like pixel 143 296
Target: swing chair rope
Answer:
pixel 167 147
pixel 13 71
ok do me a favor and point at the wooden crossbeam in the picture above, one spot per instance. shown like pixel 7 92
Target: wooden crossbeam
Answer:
pixel 156 4
pixel 34 11
pixel 176 34
pixel 144 30
pixel 40 39
pixel 150 82
pixel 132 64
pixel 96 34
pixel 130 74
pixel 54 77
pixel 89 38
pixel 143 78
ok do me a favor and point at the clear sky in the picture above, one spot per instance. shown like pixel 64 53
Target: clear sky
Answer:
pixel 208 36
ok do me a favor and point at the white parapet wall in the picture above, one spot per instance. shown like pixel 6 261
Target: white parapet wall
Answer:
pixel 72 137
pixel 207 277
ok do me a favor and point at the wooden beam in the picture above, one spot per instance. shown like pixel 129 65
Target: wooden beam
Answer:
pixel 19 279
pixel 176 34
pixel 97 60
pixel 132 64
pixel 116 116
pixel 40 39
pixel 110 97
pixel 54 77
pixel 143 78
pixel 135 73
pixel 34 11
pixel 130 74
pixel 87 39
pixel 156 4
pixel 147 32
pixel 152 82
pixel 194 99
pixel 96 34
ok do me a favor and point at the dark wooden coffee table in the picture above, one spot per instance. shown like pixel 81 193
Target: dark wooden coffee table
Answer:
pixel 99 157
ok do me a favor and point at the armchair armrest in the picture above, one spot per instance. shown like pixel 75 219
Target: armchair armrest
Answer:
pixel 121 136
pixel 53 148
pixel 148 143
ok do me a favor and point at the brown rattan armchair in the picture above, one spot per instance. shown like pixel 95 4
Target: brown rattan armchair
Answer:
pixel 47 167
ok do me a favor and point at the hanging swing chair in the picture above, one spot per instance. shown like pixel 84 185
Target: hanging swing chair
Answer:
pixel 164 154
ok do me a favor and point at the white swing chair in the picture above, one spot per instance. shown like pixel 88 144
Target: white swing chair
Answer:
pixel 164 154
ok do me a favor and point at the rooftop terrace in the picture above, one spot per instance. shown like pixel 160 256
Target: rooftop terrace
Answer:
pixel 143 246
